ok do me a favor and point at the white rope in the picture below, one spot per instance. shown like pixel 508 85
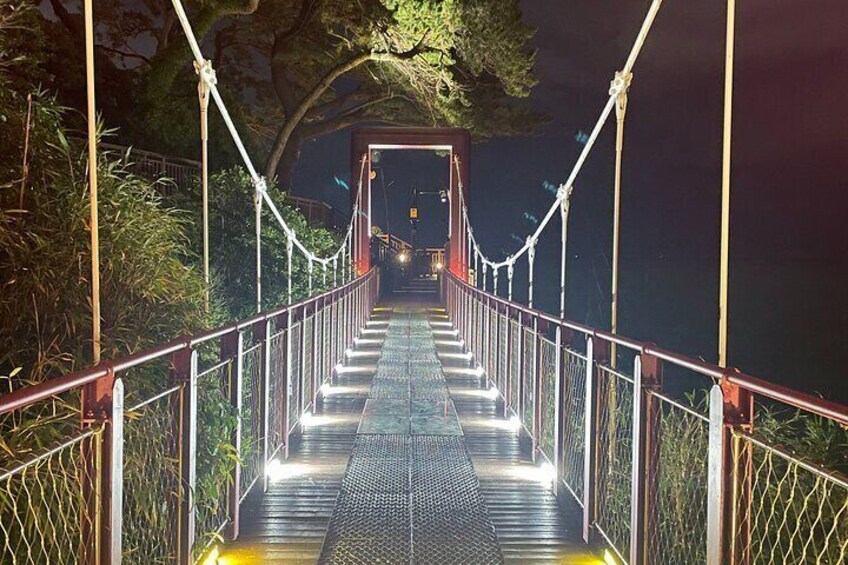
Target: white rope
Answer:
pixel 208 75
pixel 618 85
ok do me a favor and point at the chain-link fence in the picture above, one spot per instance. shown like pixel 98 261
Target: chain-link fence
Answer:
pixel 614 457
pixel 796 511
pixel 574 416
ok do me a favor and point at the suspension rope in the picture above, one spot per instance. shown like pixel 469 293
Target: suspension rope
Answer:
pixel 618 85
pixel 207 74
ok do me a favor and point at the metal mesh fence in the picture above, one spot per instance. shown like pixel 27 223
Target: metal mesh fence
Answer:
pixel 151 481
pixel 574 420
pixel 277 393
pixel 294 384
pixel 42 510
pixel 797 512
pixel 514 367
pixel 214 452
pixel 677 487
pixel 528 388
pixel 251 423
pixel 308 362
pixel 503 362
pixel 614 459
pixel 547 397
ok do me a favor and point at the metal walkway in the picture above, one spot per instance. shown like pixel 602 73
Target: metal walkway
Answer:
pixel 407 461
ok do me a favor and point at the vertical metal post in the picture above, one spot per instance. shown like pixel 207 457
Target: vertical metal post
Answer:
pixel 509 272
pixel 715 478
pixel 116 475
pixel 521 353
pixel 620 113
pixel 94 226
pixel 258 210
pixel 203 100
pixel 102 479
pixel 301 402
pixel 184 374
pixel 487 338
pixel 536 376
pixel 647 378
pixel 317 322
pixel 737 476
pixel 232 347
pixel 531 258
pixel 597 352
pixel 507 392
pixel 289 382
pixel 724 262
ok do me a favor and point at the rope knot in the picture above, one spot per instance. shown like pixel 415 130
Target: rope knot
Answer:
pixel 261 186
pixel 206 72
pixel 564 192
pixel 620 83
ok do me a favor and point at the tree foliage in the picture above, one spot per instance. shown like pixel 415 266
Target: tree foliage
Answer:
pixel 294 70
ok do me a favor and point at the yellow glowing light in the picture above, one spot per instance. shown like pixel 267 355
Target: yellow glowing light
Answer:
pixel 211 557
pixel 403 257
pixel 608 558
pixel 439 266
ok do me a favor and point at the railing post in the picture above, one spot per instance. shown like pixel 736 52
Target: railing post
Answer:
pixel 737 474
pixel 647 378
pixel 715 477
pixel 521 353
pixel 232 347
pixel 301 374
pixel 184 374
pixel 317 321
pixel 103 478
pixel 487 340
pixel 597 352
pixel 507 392
pixel 289 381
pixel 536 379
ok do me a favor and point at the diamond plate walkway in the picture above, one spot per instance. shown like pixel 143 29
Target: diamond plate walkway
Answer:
pixel 416 468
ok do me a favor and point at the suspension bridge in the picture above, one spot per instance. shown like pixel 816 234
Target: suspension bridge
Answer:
pixel 434 421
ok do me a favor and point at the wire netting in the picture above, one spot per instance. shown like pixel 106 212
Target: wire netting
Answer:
pixel 528 379
pixel 295 377
pixel 308 373
pixel 677 487
pixel 215 452
pixel 42 509
pixel 574 421
pixel 514 366
pixel 547 397
pixel 797 512
pixel 277 393
pixel 251 422
pixel 614 456
pixel 503 361
pixel 151 481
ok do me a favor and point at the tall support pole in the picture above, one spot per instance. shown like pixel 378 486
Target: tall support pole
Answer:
pixel 531 259
pixel 94 224
pixel 485 274
pixel 622 81
pixel 257 205
pixel 184 375
pixel 476 265
pixel 510 270
pixel 203 100
pixel 495 281
pixel 289 253
pixel 565 194
pixel 724 266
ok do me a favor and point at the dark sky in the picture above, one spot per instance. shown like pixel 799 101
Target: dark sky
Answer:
pixel 789 313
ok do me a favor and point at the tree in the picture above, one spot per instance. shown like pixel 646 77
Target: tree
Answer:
pixel 299 69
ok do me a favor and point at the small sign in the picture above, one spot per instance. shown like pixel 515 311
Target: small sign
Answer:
pixel 413 213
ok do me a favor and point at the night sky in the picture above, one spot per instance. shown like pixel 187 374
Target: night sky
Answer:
pixel 789 266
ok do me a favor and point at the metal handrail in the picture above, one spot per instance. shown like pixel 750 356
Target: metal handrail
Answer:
pixel 779 393
pixel 42 391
